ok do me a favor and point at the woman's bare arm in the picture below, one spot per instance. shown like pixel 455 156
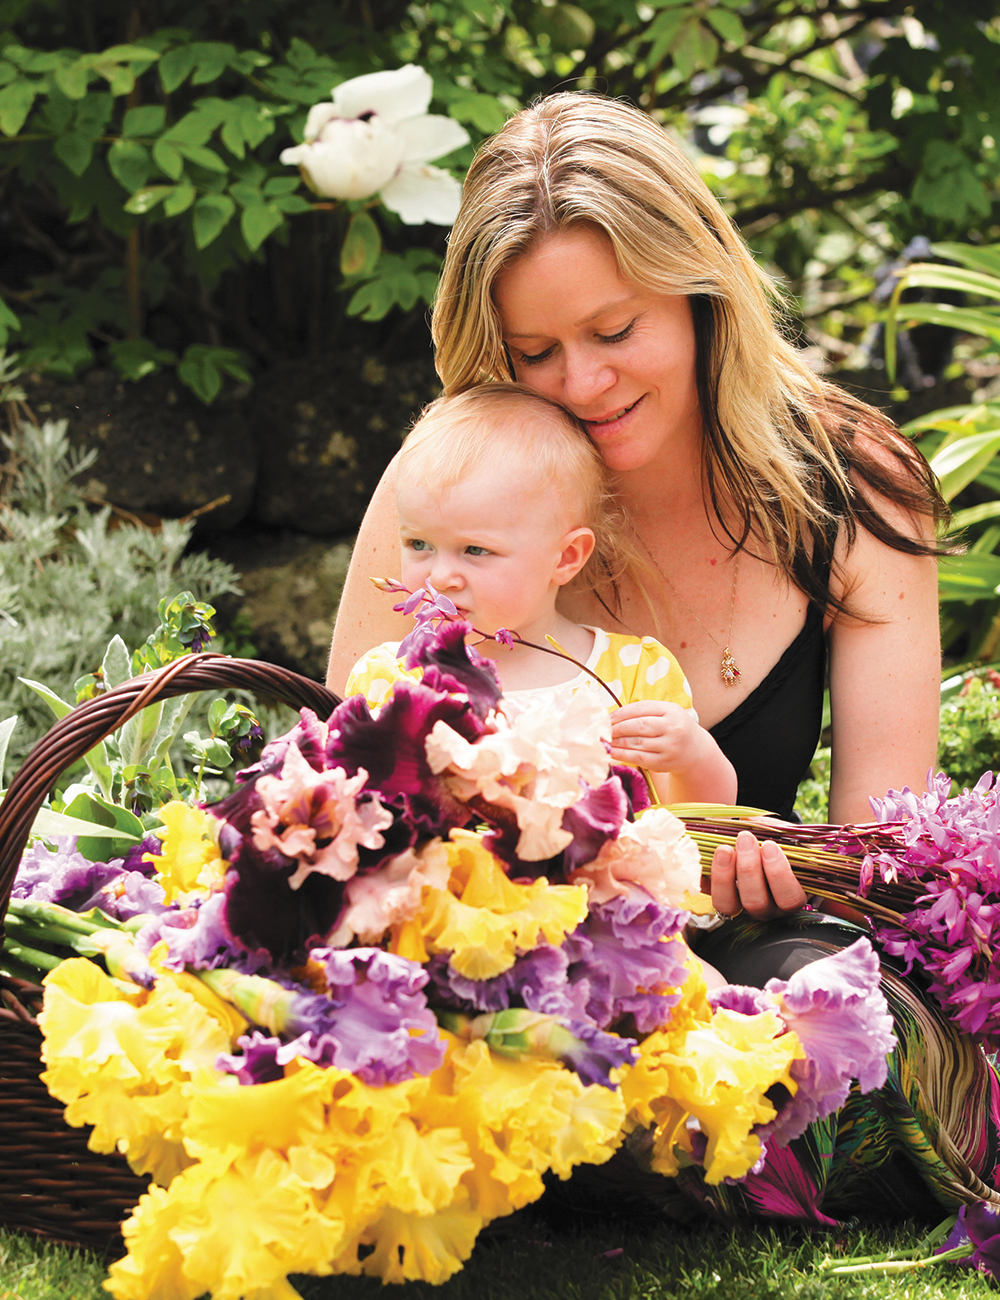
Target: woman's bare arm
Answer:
pixel 365 616
pixel 885 678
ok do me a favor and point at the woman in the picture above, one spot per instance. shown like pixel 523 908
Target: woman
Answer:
pixel 591 262
pixel 778 516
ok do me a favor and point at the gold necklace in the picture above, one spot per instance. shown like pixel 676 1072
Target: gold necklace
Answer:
pixel 728 667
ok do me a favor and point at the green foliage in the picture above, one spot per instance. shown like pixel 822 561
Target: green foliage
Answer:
pixel 71 579
pixel 141 166
pixel 969 744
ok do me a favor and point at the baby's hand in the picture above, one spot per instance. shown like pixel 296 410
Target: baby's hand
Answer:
pixel 656 735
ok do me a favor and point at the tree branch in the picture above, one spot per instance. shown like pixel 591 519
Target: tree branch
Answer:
pixel 892 178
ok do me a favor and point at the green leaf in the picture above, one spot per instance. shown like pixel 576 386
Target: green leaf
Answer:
pixel 72 79
pixel 926 275
pixel 362 246
pixel 216 712
pixel 218 752
pixel 663 32
pixel 695 48
pixel 117 663
pixel 15 105
pixel 985 258
pixel 281 185
pixel 75 150
pixel 167 158
pixel 202 368
pixel 58 706
pixel 257 222
pixel 130 164
pixel 373 301
pixel 48 824
pixel 146 199
pixel 203 157
pixel 969 320
pixel 213 57
pixel 176 65
pixel 195 127
pixel 91 807
pixel 728 24
pixel 179 199
pixel 974 515
pixel 291 203
pixel 6 728
pixel 245 193
pixel 147 119
pixel 960 462
pixel 968 577
pixel 212 213
pixel 8 322
pixel 136 358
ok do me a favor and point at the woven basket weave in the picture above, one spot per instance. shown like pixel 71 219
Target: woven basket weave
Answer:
pixel 50 1183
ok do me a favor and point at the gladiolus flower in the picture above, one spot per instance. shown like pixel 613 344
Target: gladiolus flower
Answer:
pixel 376 136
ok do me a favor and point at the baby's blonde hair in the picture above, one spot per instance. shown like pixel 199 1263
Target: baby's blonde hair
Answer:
pixel 512 430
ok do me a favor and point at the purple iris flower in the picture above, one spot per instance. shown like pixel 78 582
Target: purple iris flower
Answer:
pixel 392 748
pixel 451 665
pixel 838 1011
pixel 619 964
pixel 596 1053
pixel 373 1022
pixel 537 980
pixel 593 820
pixel 263 911
pixel 977 1226
pixel 742 998
pixel 196 936
pixel 63 875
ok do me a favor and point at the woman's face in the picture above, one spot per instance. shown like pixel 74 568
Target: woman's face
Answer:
pixel 620 358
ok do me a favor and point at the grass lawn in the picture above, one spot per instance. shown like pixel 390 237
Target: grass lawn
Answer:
pixel 701 1262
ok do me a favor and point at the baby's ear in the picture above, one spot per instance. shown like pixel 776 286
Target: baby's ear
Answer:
pixel 577 548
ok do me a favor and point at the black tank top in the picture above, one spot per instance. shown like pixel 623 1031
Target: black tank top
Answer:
pixel 771 737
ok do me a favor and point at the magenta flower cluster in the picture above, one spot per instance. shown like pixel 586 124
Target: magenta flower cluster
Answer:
pixel 950 849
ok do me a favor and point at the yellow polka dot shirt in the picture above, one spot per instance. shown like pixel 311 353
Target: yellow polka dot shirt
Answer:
pixel 636 668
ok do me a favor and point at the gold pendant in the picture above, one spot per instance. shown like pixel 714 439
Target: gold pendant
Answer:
pixel 730 669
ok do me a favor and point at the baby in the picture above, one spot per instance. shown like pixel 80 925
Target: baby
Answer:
pixel 503 501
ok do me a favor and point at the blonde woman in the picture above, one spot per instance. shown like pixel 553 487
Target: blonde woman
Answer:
pixel 782 519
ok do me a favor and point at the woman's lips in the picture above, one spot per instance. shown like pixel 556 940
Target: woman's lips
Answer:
pixel 604 428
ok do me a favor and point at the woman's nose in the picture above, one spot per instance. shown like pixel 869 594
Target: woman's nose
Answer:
pixel 585 379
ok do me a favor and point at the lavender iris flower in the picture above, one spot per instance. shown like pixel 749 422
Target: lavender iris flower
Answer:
pixel 620 966
pixel 120 888
pixel 373 1022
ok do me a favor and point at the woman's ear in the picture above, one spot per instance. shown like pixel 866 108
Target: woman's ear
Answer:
pixel 577 548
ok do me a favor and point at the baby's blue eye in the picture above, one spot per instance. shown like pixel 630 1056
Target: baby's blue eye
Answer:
pixel 417 544
pixel 476 550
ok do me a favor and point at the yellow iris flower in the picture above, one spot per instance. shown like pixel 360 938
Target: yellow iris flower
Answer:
pixel 483 918
pixel 714 1067
pixel 190 859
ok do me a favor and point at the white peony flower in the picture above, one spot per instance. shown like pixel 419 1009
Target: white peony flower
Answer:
pixel 376 137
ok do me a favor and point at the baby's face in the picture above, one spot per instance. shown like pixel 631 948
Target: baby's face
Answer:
pixel 491 546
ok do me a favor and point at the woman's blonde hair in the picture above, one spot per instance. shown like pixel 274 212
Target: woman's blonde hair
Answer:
pixel 511 430
pixel 780 443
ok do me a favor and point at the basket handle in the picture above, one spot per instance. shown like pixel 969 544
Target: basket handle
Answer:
pixel 83 727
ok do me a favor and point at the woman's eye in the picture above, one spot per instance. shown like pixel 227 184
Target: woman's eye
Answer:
pixel 535 358
pixel 476 550
pixel 620 337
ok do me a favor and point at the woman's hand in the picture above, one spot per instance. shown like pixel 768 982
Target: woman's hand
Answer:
pixel 755 878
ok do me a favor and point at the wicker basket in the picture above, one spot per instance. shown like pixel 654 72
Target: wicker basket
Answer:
pixel 50 1183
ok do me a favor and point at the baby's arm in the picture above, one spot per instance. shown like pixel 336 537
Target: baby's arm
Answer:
pixel 684 761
